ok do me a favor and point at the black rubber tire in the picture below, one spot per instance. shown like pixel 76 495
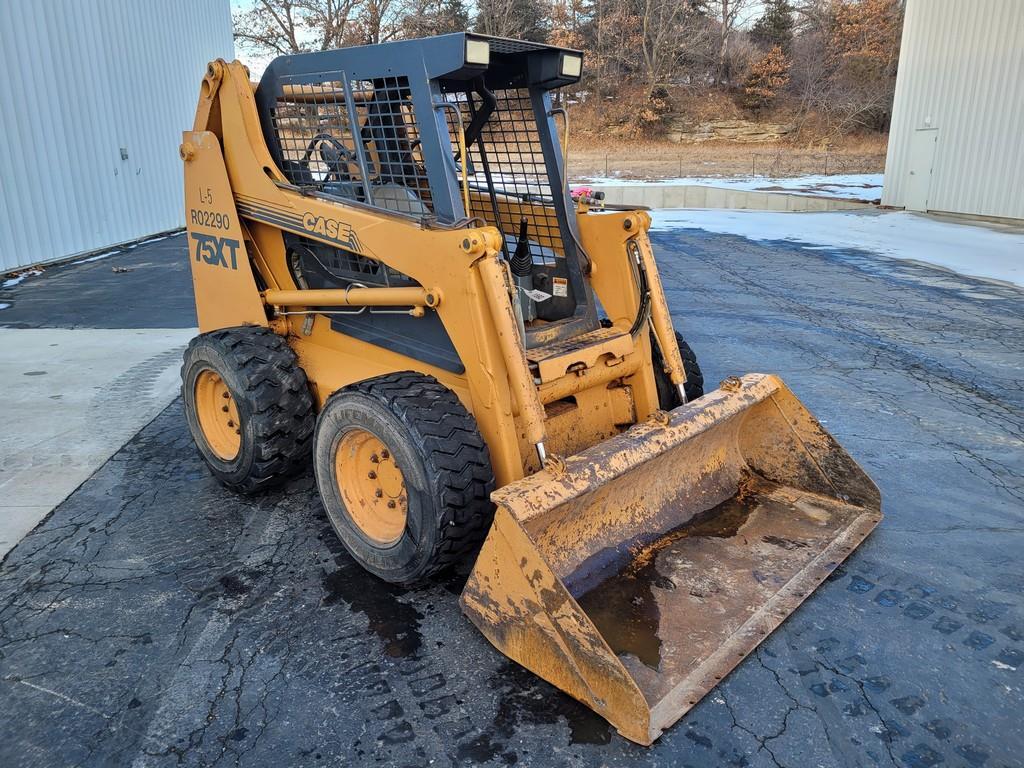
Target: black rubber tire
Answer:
pixel 444 461
pixel 271 393
pixel 668 395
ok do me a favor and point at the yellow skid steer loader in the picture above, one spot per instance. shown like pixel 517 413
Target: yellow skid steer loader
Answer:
pixel 393 281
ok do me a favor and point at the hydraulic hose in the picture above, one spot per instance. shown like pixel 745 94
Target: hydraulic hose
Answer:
pixel 643 312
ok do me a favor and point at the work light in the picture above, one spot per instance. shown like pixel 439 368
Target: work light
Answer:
pixel 572 65
pixel 478 52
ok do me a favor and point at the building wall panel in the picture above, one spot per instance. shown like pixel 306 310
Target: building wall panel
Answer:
pixel 82 79
pixel 961 72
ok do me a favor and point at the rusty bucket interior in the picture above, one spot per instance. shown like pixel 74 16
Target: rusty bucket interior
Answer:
pixel 637 576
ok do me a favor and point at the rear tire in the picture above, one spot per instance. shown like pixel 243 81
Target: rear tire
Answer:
pixel 668 395
pixel 404 475
pixel 248 406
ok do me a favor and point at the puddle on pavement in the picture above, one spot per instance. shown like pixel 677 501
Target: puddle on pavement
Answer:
pixel 395 622
pixel 528 700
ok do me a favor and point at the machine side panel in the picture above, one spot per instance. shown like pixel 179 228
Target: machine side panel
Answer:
pixel 225 288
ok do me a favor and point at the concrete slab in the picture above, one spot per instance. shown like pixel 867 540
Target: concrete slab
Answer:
pixel 72 398
pixel 700 196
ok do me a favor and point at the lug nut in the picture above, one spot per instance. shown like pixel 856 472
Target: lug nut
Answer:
pixel 224 408
pixel 391 504
pixel 378 493
pixel 231 423
pixel 384 454
pixel 374 458
pixel 372 475
pixel 225 395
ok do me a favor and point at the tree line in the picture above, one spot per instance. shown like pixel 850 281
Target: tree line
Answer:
pixel 836 58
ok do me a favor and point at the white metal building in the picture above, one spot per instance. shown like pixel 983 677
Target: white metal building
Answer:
pixel 957 139
pixel 93 99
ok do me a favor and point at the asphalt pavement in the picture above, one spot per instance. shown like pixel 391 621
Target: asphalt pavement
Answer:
pixel 157 619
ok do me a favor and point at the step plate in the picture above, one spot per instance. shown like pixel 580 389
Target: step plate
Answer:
pixel 553 361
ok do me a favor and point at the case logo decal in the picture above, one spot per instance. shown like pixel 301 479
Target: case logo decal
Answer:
pixel 332 229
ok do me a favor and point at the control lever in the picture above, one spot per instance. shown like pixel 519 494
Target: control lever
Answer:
pixel 522 259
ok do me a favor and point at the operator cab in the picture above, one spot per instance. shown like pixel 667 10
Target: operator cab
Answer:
pixel 384 126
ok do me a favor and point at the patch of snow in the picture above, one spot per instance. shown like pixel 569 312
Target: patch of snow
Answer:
pixel 97 257
pixel 1001 665
pixel 964 248
pixel 13 281
pixel 4 306
pixel 855 186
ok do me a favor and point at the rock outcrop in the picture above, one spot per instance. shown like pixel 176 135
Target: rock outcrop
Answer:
pixel 684 131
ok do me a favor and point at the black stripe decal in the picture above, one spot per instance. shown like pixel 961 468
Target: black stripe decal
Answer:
pixel 294 223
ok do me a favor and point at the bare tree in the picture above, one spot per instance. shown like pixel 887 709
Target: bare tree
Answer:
pixel 661 24
pixel 673 40
pixel 812 15
pixel 434 17
pixel 378 21
pixel 294 26
pixel 730 15
pixel 526 19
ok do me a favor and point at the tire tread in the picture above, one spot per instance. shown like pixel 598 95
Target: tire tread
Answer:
pixel 282 419
pixel 453 449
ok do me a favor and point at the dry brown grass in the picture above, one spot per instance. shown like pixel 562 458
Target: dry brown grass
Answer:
pixel 607 139
pixel 660 160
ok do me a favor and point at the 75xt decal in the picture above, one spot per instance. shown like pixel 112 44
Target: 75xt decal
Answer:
pixel 217 251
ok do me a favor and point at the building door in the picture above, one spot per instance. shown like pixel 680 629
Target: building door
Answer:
pixel 919 174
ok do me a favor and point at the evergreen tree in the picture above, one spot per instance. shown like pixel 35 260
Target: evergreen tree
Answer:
pixel 775 27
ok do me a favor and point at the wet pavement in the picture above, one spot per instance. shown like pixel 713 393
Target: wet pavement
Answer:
pixel 156 619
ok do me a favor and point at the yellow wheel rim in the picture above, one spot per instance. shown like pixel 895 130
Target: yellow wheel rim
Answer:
pixel 372 486
pixel 218 415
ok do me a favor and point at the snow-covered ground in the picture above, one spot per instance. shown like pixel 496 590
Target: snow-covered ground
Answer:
pixel 860 186
pixel 13 281
pixel 964 248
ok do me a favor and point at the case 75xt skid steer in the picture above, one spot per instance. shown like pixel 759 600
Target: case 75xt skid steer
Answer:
pixel 393 281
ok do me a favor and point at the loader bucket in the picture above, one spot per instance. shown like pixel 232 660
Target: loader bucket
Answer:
pixel 637 576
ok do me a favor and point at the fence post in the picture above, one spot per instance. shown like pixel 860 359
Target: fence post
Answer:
pixel 826 163
pixel 606 165
pixel 753 164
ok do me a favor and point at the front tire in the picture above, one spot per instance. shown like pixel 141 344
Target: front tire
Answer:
pixel 668 395
pixel 248 406
pixel 404 475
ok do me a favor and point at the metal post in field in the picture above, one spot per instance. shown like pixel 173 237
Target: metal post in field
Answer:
pixel 826 163
pixel 753 164
pixel 606 165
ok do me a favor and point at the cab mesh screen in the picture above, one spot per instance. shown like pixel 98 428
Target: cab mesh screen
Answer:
pixel 508 155
pixel 357 140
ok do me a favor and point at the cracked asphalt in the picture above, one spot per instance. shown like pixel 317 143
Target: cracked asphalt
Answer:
pixel 157 619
